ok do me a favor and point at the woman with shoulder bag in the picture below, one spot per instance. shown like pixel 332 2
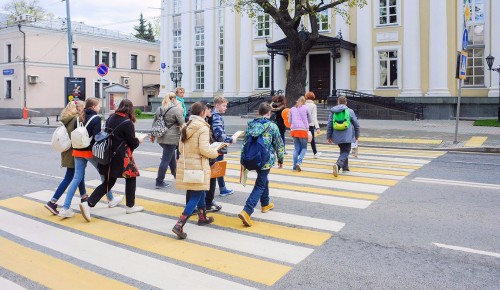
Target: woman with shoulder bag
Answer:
pixel 173 117
pixel 193 173
pixel 122 165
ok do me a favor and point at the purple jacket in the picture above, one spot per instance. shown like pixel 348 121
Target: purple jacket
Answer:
pixel 299 118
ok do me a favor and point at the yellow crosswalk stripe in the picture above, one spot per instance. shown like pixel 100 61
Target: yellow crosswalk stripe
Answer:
pixel 400 140
pixel 51 272
pixel 475 141
pixel 206 257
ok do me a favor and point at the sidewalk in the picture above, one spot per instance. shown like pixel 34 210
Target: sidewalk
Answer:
pixel 426 134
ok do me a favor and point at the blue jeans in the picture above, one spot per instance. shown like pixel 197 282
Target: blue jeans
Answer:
pixel 196 199
pixel 70 172
pixel 220 180
pixel 260 192
pixel 79 176
pixel 299 150
pixel 167 160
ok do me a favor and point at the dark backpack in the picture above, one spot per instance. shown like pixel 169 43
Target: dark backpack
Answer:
pixel 255 154
pixel 102 146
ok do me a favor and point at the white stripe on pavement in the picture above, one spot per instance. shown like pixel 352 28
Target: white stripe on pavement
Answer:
pixel 112 258
pixel 30 172
pixel 457 183
pixel 468 250
pixel 26 141
pixel 275 216
pixel 9 285
pixel 234 241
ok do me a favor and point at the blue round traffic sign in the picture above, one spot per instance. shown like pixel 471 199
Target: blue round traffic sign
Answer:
pixel 163 65
pixel 465 39
pixel 102 69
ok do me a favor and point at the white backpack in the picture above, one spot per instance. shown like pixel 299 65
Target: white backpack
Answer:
pixel 80 137
pixel 60 139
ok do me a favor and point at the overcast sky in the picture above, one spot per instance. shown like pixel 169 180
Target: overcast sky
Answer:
pixel 120 15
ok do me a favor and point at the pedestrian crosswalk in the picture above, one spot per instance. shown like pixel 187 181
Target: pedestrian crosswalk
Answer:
pixel 120 251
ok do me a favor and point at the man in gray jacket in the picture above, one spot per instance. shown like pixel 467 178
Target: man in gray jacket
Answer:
pixel 343 138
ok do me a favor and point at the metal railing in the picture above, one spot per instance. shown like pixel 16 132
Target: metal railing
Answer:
pixel 251 101
pixel 387 102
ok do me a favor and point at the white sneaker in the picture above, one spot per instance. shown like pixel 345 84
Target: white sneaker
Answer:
pixel 117 199
pixel 317 155
pixel 66 213
pixel 134 209
pixel 335 170
pixel 85 209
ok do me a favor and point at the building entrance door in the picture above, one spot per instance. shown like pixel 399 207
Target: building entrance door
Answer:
pixel 319 75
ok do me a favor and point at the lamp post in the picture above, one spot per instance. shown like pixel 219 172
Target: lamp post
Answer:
pixel 176 77
pixel 489 60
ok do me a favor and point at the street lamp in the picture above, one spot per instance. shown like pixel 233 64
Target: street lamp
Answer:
pixel 176 77
pixel 489 60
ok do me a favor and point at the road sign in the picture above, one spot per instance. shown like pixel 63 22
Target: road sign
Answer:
pixel 465 39
pixel 9 71
pixel 463 65
pixel 163 65
pixel 102 69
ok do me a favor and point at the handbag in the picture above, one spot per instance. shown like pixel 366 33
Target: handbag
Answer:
pixel 218 169
pixel 193 175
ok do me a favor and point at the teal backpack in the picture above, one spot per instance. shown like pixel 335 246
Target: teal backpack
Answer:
pixel 341 120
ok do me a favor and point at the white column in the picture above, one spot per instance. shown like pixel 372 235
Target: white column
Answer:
pixel 246 67
pixel 279 62
pixel 210 48
pixel 364 52
pixel 164 48
pixel 230 39
pixel 495 47
pixel 412 85
pixel 187 43
pixel 438 50
pixel 343 69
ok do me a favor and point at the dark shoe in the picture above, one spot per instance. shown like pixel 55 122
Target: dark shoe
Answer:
pixel 84 199
pixel 203 219
pixel 214 207
pixel 52 207
pixel 297 167
pixel 178 229
pixel 162 184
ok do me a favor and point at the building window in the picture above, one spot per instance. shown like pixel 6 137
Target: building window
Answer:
pixel 75 56
pixel 9 53
pixel 324 20
pixel 176 32
pixel 176 6
pixel 97 58
pixel 199 69
pixel 198 4
pixel 113 59
pixel 388 68
pixel 263 25
pixel 221 68
pixel 263 73
pixel 475 49
pixel 105 58
pixel 176 58
pixel 199 31
pixel 133 61
pixel 99 89
pixel 388 12
pixel 200 55
pixel 8 89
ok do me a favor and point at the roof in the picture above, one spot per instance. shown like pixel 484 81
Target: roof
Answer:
pixel 116 88
pixel 322 43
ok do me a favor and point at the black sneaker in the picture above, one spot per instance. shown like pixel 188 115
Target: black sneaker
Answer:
pixel 214 207
pixel 52 207
pixel 162 184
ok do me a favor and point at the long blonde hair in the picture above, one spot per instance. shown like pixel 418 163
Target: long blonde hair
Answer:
pixel 300 102
pixel 166 100
pixel 72 109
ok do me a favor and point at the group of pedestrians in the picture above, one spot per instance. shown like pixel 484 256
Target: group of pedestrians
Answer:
pixel 187 151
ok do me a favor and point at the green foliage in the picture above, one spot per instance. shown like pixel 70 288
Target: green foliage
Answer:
pixel 138 112
pixel 144 30
pixel 31 7
pixel 488 123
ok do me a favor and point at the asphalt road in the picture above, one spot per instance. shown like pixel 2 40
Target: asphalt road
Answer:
pixel 403 240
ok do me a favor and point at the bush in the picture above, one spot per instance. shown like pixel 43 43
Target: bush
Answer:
pixel 488 123
pixel 138 112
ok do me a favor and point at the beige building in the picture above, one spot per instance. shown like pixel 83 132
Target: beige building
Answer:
pixel 34 64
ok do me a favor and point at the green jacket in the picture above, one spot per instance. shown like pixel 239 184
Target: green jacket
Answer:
pixel 67 159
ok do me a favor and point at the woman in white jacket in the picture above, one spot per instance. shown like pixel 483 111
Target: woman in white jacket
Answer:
pixel 313 125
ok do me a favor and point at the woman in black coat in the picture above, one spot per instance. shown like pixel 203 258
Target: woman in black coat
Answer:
pixel 122 165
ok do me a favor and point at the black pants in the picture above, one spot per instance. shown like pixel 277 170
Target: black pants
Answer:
pixel 313 142
pixel 343 161
pixel 101 190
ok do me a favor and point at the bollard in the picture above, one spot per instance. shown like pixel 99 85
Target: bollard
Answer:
pixel 29 121
pixel 48 120
pixel 57 118
pixel 25 113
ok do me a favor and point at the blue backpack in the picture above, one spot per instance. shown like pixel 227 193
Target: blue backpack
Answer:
pixel 255 154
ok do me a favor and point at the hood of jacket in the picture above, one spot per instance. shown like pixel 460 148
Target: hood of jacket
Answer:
pixel 66 119
pixel 257 126
pixel 339 108
pixel 195 123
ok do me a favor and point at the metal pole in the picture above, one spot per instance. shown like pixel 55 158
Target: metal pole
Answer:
pixel 498 71
pixel 24 63
pixel 272 74
pixel 458 110
pixel 70 40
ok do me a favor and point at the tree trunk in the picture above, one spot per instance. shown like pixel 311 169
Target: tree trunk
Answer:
pixel 297 78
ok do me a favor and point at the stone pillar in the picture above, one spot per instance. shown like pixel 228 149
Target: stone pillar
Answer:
pixel 230 39
pixel 187 43
pixel 165 48
pixel 438 50
pixel 210 30
pixel 279 62
pixel 246 67
pixel 495 48
pixel 412 84
pixel 364 52
pixel 343 68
